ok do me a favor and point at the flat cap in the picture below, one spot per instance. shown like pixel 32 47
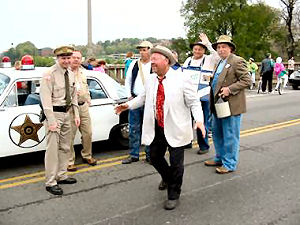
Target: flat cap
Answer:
pixel 145 44
pixel 64 50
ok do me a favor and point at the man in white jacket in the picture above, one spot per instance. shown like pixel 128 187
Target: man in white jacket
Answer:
pixel 169 97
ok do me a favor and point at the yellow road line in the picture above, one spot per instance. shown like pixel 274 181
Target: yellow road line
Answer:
pixel 42 173
pixel 118 160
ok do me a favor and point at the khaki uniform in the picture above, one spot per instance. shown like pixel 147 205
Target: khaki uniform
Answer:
pixel 85 127
pixel 53 94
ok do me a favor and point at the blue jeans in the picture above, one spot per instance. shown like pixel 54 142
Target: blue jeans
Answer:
pixel 226 137
pixel 135 132
pixel 203 142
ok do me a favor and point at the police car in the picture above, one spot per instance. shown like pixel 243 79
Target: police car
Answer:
pixel 20 128
pixel 294 79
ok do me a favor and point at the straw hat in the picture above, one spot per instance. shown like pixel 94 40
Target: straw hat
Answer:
pixel 164 51
pixel 224 39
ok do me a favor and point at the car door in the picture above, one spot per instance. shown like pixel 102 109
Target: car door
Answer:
pixel 101 111
pixel 21 131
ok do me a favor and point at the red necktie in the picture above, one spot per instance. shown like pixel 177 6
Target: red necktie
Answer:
pixel 160 99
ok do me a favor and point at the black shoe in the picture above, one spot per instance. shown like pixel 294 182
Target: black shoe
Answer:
pixel 55 190
pixel 201 152
pixel 162 185
pixel 69 180
pixel 170 204
pixel 130 160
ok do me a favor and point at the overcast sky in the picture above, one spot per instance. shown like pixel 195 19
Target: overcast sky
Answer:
pixel 50 23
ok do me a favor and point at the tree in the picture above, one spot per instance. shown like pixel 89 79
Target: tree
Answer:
pixel 248 25
pixel 288 14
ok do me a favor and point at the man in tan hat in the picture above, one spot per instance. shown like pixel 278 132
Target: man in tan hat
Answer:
pixel 137 72
pixel 229 82
pixel 168 98
pixel 85 127
pixel 58 95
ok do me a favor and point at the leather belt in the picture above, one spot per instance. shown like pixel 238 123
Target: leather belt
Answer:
pixel 61 108
pixel 81 103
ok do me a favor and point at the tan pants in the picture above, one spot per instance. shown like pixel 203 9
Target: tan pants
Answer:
pixel 58 149
pixel 85 129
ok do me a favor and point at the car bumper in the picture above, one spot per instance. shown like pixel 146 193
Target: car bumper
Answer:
pixel 294 82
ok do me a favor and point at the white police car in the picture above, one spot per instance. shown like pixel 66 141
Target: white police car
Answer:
pixel 20 129
pixel 294 79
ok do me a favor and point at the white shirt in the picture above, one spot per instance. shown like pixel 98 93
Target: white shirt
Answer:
pixel 138 85
pixel 210 62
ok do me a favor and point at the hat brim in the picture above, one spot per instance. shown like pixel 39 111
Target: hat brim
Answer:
pixel 200 44
pixel 65 54
pixel 169 55
pixel 214 45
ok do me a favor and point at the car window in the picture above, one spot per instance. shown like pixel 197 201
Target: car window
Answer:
pixel 23 93
pixel 4 81
pixel 96 91
pixel 11 99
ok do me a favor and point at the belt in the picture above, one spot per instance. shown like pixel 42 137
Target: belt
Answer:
pixel 61 108
pixel 81 103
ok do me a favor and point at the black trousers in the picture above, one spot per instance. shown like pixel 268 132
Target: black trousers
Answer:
pixel 172 174
pixel 267 77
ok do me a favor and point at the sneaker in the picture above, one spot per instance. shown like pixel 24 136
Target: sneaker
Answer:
pixel 130 160
pixel 201 152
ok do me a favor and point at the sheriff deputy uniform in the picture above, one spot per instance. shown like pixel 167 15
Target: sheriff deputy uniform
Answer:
pixel 58 95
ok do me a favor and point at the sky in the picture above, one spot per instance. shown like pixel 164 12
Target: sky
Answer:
pixel 51 23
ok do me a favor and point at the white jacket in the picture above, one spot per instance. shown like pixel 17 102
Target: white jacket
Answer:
pixel 180 100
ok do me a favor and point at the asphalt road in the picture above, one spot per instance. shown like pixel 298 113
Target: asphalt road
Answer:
pixel 264 189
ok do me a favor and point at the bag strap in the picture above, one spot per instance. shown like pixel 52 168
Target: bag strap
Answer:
pixel 141 71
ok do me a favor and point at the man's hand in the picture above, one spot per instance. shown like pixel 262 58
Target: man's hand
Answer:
pixel 199 125
pixel 121 108
pixel 53 127
pixel 225 91
pixel 204 38
pixel 77 121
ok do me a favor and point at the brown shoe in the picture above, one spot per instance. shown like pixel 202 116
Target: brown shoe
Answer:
pixel 212 163
pixel 90 161
pixel 222 170
pixel 71 168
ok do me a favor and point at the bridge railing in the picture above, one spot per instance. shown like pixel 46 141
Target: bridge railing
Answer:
pixel 116 71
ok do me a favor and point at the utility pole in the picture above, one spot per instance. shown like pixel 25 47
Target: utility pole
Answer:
pixel 90 42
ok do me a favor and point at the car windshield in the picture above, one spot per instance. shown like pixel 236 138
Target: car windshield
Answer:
pixel 4 81
pixel 120 89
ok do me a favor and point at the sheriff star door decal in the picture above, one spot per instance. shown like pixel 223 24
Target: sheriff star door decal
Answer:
pixel 27 130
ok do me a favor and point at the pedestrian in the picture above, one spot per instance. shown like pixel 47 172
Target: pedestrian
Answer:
pixel 91 63
pixel 252 68
pixel 229 82
pixel 58 95
pixel 100 66
pixel 266 73
pixel 85 127
pixel 177 65
pixel 280 73
pixel 137 72
pixel 291 66
pixel 200 67
pixel 128 60
pixel 169 97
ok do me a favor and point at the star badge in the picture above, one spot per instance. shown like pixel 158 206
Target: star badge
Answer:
pixel 28 130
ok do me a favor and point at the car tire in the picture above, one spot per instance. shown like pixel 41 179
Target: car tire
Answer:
pixel 119 136
pixel 295 87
